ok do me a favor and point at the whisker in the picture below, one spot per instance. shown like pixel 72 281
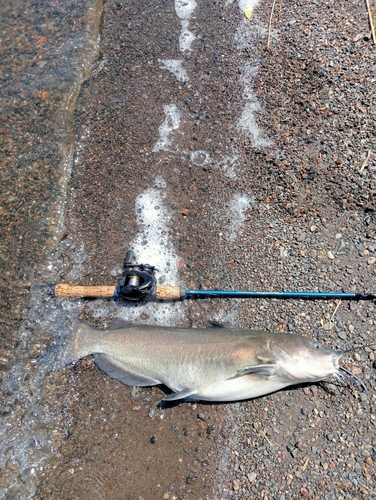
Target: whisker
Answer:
pixel 348 375
pixel 341 379
pixel 358 348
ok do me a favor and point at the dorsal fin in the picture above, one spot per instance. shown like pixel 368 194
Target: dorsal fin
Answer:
pixel 213 323
pixel 119 323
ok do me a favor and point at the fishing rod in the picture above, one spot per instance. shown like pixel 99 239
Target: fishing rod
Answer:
pixel 139 282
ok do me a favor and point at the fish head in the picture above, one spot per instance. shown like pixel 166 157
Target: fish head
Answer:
pixel 304 360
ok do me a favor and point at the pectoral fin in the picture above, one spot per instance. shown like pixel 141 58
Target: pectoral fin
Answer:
pixel 180 395
pixel 268 359
pixel 127 377
pixel 264 370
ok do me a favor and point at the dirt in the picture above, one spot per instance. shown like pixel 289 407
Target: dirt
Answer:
pixel 308 182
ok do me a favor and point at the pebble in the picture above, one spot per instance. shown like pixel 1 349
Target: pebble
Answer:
pixel 252 477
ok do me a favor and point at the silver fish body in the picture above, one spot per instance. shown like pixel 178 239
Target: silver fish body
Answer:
pixel 214 364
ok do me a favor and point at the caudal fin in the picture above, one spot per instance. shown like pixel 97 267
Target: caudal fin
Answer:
pixel 68 346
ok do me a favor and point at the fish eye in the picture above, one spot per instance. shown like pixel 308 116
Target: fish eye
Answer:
pixel 315 345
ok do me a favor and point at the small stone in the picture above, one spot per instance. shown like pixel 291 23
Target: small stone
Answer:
pixel 365 453
pixel 342 335
pixel 236 484
pixel 313 228
pixel 252 477
pixel 153 439
pixel 304 493
pixel 357 468
pixel 371 260
pixel 330 255
pixel 166 496
pixel 202 416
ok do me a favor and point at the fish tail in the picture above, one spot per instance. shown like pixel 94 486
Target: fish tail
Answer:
pixel 69 346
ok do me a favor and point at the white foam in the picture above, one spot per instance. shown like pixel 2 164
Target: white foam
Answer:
pixel 238 208
pixel 247 4
pixel 186 37
pixel 247 122
pixel 176 68
pixel 171 123
pixel 242 36
pixel 228 165
pixel 152 246
pixel 184 8
pixel 160 182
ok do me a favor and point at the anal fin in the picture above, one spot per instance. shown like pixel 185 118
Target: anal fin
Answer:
pixel 180 395
pixel 127 377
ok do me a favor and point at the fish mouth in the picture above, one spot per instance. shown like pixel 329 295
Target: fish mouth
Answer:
pixel 336 358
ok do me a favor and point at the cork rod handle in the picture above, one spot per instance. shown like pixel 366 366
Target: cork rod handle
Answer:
pixel 71 291
pixel 165 292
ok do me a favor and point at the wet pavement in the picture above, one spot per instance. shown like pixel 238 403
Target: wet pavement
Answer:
pixel 226 165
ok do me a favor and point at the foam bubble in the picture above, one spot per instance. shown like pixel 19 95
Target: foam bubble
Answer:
pixel 238 208
pixel 176 68
pixel 171 123
pixel 184 8
pixel 199 157
pixel 186 37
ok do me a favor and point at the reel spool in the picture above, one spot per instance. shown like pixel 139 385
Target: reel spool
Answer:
pixel 138 281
